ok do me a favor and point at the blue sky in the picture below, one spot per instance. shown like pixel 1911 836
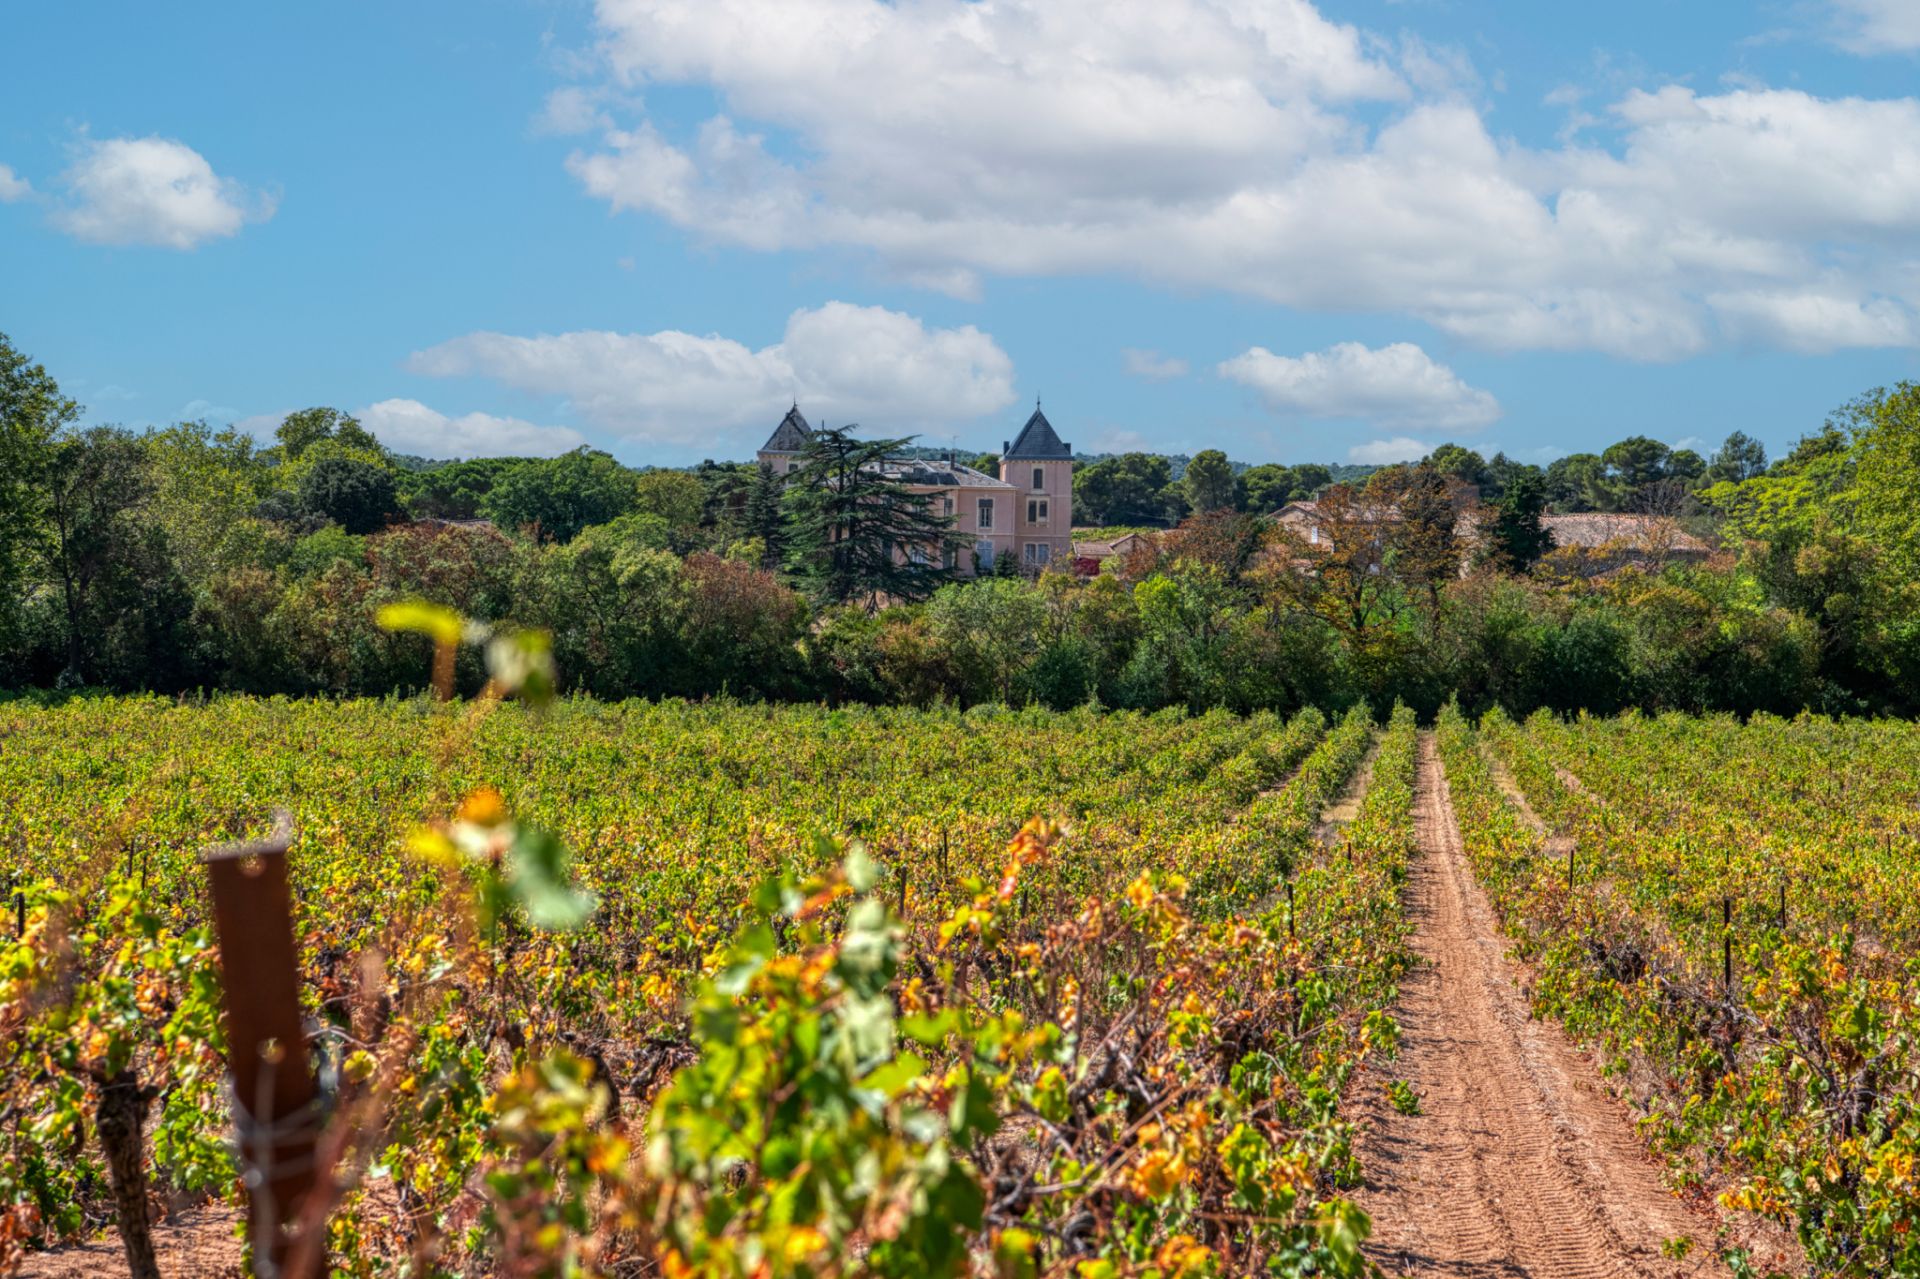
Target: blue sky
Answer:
pixel 1344 231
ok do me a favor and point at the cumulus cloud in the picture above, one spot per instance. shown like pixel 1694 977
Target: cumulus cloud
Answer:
pixel 1397 385
pixel 408 426
pixel 1400 448
pixel 1812 323
pixel 1217 144
pixel 1153 366
pixel 13 186
pixel 840 361
pixel 1877 26
pixel 153 191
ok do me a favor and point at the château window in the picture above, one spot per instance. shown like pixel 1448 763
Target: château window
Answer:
pixel 1038 553
pixel 986 512
pixel 1039 477
pixel 947 504
pixel 1037 511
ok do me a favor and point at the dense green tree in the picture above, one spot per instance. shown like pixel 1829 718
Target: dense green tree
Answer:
pixel 1174 506
pixel 1642 474
pixel 1207 484
pixel 739 630
pixel 1686 466
pixel 1503 472
pixel 1463 464
pixel 358 496
pixel 321 549
pixel 300 431
pixel 1311 477
pixel 1128 489
pixel 1886 443
pixel 207 484
pixel 1813 483
pixel 725 488
pixel 558 497
pixel 991 630
pixel 93 490
pixel 1513 539
pixel 1635 462
pixel 32 413
pixel 763 518
pixel 1739 458
pixel 677 497
pixel 1266 488
pixel 454 490
pixel 855 534
pixel 1578 482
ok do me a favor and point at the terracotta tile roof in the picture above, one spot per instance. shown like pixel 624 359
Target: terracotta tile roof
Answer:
pixel 1591 530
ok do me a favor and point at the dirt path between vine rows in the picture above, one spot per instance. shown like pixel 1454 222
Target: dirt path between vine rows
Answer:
pixel 1346 806
pixel 1520 1164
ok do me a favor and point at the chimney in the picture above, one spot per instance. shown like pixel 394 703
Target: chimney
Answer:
pixel 1006 447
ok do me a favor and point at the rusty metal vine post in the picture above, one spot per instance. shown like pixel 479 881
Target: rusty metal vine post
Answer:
pixel 275 1099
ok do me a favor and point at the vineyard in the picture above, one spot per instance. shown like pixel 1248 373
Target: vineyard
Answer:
pixel 720 989
pixel 710 988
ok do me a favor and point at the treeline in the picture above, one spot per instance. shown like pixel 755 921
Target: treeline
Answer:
pixel 1637 474
pixel 190 559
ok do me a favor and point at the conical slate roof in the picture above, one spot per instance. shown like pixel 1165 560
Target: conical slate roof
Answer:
pixel 1038 440
pixel 791 435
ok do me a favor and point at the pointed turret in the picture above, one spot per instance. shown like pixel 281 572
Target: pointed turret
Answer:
pixel 791 435
pixel 1038 441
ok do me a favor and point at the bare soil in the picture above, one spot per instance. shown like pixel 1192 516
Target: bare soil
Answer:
pixel 196 1244
pixel 1339 814
pixel 1520 1164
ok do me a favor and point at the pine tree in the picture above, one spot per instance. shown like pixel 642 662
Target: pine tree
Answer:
pixel 856 533
pixel 764 518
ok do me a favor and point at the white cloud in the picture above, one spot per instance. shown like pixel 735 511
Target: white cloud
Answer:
pixel 568 110
pixel 1397 385
pixel 201 409
pixel 1400 448
pixel 840 361
pixel 1877 26
pixel 153 191
pixel 1813 323
pixel 13 186
pixel 408 426
pixel 1219 144
pixel 1153 366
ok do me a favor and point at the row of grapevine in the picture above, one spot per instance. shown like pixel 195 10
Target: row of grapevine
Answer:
pixel 1723 912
